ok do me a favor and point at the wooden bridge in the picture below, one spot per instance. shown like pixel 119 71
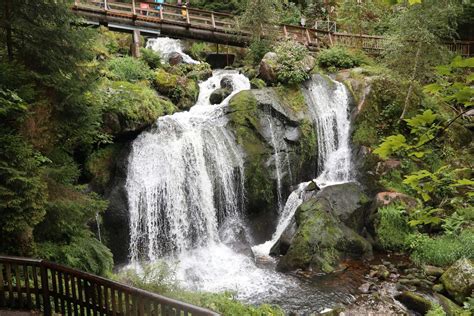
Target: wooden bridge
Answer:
pixel 39 285
pixel 150 18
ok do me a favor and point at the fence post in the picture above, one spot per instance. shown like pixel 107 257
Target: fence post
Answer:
pixel 45 290
pixel 134 11
pixel 213 20
pixel 105 5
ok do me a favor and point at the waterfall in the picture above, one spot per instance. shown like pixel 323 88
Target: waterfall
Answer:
pixel 328 101
pixel 166 46
pixel 185 177
pixel 276 154
pixel 292 203
pixel 97 221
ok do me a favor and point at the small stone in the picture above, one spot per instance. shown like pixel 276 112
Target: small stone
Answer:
pixel 433 271
pixel 219 95
pixel 226 83
pixel 439 288
pixel 365 288
pixel 415 302
pixel 312 186
pixel 175 59
pixel 458 280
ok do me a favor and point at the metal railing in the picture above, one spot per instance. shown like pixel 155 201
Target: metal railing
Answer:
pixel 31 284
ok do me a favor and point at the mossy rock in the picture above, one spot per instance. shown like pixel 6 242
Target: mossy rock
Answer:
pixel 131 107
pixel 165 82
pixel 322 239
pixel 415 302
pixel 245 123
pixel 257 83
pixel 450 308
pixel 181 90
pixel 100 166
pixel 458 280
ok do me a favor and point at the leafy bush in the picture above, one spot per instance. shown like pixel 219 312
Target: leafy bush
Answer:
pixel 393 229
pixel 292 61
pixel 128 69
pixel 339 58
pixel 436 310
pixel 198 51
pixel 83 253
pixel 151 58
pixel 257 49
pixel 442 250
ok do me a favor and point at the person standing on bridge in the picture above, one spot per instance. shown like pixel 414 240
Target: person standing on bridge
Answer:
pixel 160 2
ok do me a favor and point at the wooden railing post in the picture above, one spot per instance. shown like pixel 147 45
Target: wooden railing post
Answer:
pixel 134 11
pixel 106 7
pixel 213 20
pixel 188 19
pixel 161 12
pixel 45 290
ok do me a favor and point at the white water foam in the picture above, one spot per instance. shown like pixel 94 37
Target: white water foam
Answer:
pixel 166 46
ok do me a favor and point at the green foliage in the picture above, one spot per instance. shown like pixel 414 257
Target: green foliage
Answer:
pixel 363 17
pixel 339 58
pixel 160 278
pixel 393 229
pixel 83 253
pixel 454 82
pixel 427 24
pixel 22 195
pixel 151 58
pixel 199 51
pixel 257 49
pixel 128 69
pixel 436 310
pixel 292 61
pixel 230 6
pixel 442 250
pixel 99 165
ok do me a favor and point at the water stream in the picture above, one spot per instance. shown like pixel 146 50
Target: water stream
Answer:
pixel 185 185
pixel 167 46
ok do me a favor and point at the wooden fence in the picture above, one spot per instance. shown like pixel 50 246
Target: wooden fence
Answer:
pixel 30 284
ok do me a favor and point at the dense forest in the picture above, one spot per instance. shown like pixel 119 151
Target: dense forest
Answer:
pixel 73 99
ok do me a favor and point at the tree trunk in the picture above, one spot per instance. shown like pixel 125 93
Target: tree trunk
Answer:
pixel 8 30
pixel 412 81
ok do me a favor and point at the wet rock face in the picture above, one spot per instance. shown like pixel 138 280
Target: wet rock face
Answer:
pixel 267 67
pixel 327 230
pixel 219 95
pixel 116 218
pixel 458 280
pixel 268 132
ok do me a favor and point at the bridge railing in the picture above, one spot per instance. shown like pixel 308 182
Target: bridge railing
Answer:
pixel 226 23
pixel 30 284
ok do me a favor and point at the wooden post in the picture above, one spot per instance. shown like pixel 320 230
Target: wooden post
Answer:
pixel 45 289
pixel 134 11
pixel 106 7
pixel 213 20
pixel 161 12
pixel 136 43
pixel 188 20
pixel 308 37
pixel 285 31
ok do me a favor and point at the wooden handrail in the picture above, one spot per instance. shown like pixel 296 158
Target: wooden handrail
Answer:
pixel 49 287
pixel 223 23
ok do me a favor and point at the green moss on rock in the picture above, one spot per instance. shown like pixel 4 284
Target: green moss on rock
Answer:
pixel 100 165
pixel 131 107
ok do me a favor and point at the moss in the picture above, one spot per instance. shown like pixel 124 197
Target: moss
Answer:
pixel 131 106
pixel 292 97
pixel 257 83
pixel 244 120
pixel 100 164
pixel 164 81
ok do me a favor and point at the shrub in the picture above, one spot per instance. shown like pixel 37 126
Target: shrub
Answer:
pixel 99 165
pixel 291 61
pixel 128 69
pixel 257 49
pixel 442 250
pixel 151 58
pixel 339 58
pixel 393 229
pixel 436 310
pixel 198 51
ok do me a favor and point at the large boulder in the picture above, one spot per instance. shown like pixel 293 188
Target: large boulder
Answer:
pixel 226 83
pixel 415 302
pixel 309 62
pixel 458 280
pixel 175 59
pixel 267 69
pixel 219 95
pixel 327 230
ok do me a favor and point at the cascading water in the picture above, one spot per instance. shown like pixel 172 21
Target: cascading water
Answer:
pixel 166 46
pixel 185 177
pixel 276 155
pixel 328 101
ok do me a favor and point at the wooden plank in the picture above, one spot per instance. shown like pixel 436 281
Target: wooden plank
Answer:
pixel 106 298
pixel 87 293
pixel 11 300
pixel 114 305
pixel 45 290
pixel 80 295
pixel 29 305
pixel 74 295
pixel 36 287
pixel 68 293
pixel 2 284
pixel 127 304
pixel 213 20
pixel 18 286
pixel 61 293
pixel 54 282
